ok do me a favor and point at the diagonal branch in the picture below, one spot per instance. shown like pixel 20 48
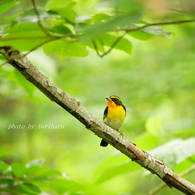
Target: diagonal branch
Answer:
pixel 162 185
pixel 32 49
pixel 114 138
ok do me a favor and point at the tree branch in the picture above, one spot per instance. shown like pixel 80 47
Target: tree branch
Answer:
pixel 162 185
pixel 34 48
pixel 114 138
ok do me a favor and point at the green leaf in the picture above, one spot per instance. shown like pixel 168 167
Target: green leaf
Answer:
pixel 156 31
pixel 66 12
pixel 5 5
pixel 32 170
pixel 7 182
pixel 23 36
pixel 29 188
pixel 64 185
pixel 141 35
pixel 61 29
pixel 51 173
pixel 31 17
pixel 99 45
pixel 3 166
pixel 60 186
pixel 127 7
pixel 123 44
pixel 127 15
pixel 53 4
pixel 25 28
pixel 175 151
pixel 76 193
pixel 100 17
pixel 63 8
pixel 91 32
pixel 64 49
pixel 10 191
pixel 18 169
pixel 36 162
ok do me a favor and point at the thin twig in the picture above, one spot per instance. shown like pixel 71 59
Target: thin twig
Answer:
pixel 21 38
pixel 37 37
pixel 136 29
pixel 39 20
pixel 177 10
pixel 187 171
pixel 43 28
pixel 96 49
pixel 95 46
pixel 34 48
pixel 39 45
pixel 155 24
pixel 162 185
pixel 111 48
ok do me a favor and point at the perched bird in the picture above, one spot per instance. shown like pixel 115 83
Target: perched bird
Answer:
pixel 114 114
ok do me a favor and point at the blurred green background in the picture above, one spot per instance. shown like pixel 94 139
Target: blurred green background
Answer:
pixel 156 84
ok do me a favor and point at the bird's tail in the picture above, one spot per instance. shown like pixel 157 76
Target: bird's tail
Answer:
pixel 103 143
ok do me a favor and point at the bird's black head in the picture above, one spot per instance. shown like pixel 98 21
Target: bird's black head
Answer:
pixel 115 99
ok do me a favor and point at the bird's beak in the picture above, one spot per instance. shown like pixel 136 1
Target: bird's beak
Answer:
pixel 107 98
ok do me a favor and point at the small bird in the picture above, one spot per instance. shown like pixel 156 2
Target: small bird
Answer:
pixel 114 114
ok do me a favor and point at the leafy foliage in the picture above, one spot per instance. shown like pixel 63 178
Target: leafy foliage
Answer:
pixel 58 21
pixel 65 49
pixel 33 179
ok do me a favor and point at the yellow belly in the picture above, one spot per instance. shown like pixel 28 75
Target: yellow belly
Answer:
pixel 115 117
